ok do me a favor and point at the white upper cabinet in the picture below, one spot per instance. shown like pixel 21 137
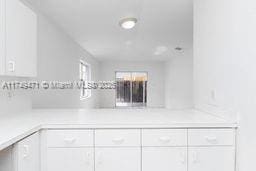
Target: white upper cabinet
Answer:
pixel 19 44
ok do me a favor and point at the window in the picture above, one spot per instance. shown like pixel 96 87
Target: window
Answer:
pixel 131 90
pixel 85 77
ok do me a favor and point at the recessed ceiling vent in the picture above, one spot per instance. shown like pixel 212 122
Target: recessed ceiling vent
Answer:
pixel 178 49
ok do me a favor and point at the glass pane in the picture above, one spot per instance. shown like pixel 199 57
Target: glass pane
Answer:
pixel 131 89
pixel 84 68
pixel 139 85
pixel 81 69
pixel 123 89
pixel 85 78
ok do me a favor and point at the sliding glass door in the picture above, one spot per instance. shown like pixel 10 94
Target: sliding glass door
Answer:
pixel 131 89
pixel 123 89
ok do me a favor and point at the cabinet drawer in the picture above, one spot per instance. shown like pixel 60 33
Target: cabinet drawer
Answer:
pixel 211 137
pixel 124 137
pixel 164 137
pixel 69 138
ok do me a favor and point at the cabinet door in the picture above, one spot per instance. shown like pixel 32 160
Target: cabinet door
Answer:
pixel 27 154
pixel 211 159
pixel 118 158
pixel 21 39
pixel 164 158
pixel 70 159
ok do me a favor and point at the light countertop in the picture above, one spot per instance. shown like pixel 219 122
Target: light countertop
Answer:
pixel 14 127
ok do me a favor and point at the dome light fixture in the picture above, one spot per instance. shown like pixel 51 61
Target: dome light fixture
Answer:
pixel 128 23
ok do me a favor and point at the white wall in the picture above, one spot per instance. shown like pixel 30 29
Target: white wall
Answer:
pixel 224 62
pixel 246 52
pixel 215 64
pixel 179 81
pixel 155 71
pixel 58 60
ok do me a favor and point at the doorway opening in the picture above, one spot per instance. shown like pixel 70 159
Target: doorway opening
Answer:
pixel 131 89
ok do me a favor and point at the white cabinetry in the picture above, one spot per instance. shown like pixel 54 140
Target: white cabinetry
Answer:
pixel 164 137
pixel 211 137
pixel 70 138
pixel 117 138
pixel 70 159
pixel 27 154
pixel 117 150
pixel 18 44
pixel 139 150
pixel 117 158
pixel 211 158
pixel 69 150
pixel 164 158
pixel 164 149
pixel 211 149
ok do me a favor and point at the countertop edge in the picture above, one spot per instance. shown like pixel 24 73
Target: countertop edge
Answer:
pixel 28 132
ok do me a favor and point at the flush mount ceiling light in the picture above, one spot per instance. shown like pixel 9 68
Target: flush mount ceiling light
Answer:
pixel 128 23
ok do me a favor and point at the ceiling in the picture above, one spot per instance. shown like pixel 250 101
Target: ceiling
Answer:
pixel 162 25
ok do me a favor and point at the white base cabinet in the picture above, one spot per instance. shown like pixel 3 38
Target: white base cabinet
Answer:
pixel 164 158
pixel 211 158
pixel 70 159
pixel 139 150
pixel 116 159
pixel 27 154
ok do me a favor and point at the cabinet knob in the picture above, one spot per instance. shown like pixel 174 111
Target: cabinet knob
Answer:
pixel 183 158
pixel 11 66
pixel 165 139
pixel 118 140
pixel 25 151
pixel 70 140
pixel 195 157
pixel 99 159
pixel 88 158
pixel 212 140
